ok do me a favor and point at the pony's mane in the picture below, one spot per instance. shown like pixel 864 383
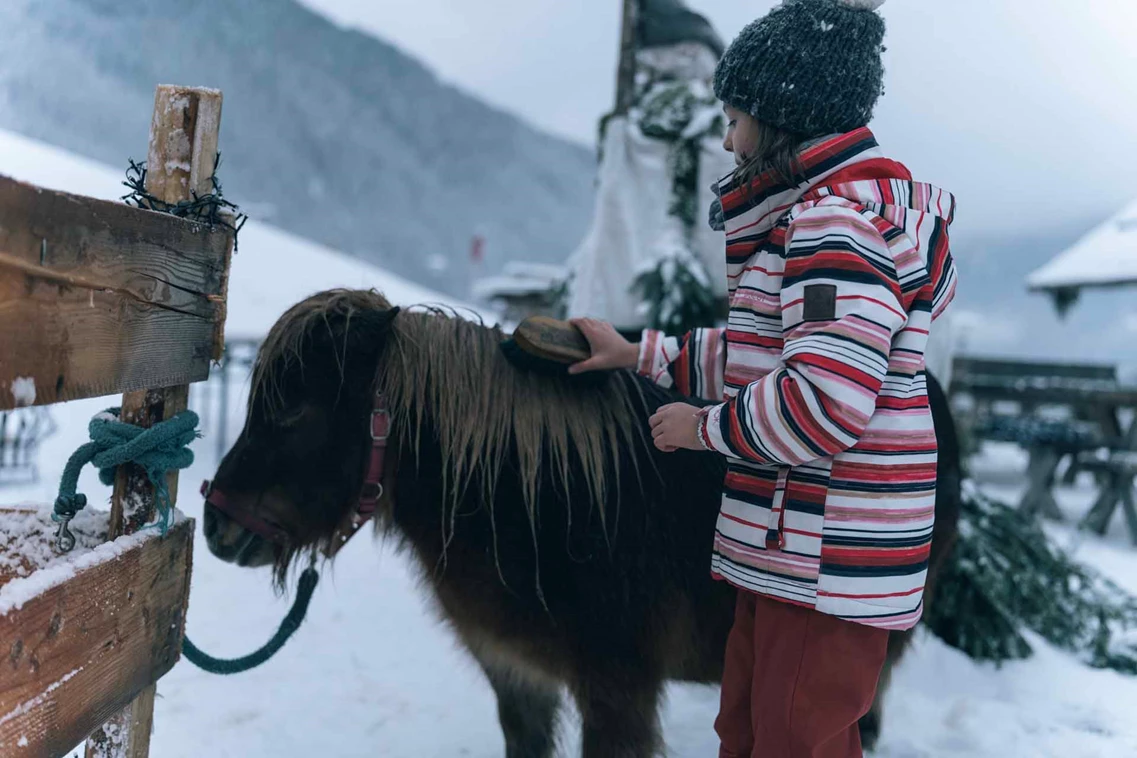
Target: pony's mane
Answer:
pixel 483 409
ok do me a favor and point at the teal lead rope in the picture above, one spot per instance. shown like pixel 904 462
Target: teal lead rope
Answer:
pixel 162 448
pixel 291 623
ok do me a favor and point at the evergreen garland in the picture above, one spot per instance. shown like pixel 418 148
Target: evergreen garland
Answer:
pixel 675 292
pixel 1005 576
pixel 683 114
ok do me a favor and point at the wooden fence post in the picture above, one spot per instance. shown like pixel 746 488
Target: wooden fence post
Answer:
pixel 179 163
pixel 626 68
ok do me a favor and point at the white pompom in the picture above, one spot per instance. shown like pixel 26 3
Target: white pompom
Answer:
pixel 868 5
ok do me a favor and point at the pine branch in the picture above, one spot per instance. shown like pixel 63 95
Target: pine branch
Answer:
pixel 1006 576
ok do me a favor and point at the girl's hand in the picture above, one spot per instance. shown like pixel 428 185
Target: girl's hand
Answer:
pixel 676 426
pixel 609 349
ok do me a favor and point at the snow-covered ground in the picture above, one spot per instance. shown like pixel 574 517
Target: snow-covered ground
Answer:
pixel 373 673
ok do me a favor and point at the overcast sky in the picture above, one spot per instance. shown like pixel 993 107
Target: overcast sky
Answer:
pixel 1025 109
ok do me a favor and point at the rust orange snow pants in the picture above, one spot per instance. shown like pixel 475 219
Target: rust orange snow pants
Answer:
pixel 795 682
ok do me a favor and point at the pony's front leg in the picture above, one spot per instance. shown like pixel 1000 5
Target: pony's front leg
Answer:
pixel 527 711
pixel 620 718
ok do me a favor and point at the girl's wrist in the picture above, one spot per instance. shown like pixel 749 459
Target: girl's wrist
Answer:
pixel 700 428
pixel 632 356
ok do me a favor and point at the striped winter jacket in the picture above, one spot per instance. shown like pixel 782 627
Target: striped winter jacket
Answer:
pixel 828 499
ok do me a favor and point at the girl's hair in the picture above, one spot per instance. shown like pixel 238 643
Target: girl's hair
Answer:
pixel 777 150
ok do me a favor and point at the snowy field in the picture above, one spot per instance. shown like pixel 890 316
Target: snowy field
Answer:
pixel 373 673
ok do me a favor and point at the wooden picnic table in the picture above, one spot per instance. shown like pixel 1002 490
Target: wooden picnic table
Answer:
pixel 1094 397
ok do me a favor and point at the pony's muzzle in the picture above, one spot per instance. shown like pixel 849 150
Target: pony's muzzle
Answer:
pixel 232 543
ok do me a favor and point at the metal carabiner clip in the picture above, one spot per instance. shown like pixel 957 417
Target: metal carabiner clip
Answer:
pixel 64 539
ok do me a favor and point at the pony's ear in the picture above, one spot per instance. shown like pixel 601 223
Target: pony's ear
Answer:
pixel 387 317
pixel 377 324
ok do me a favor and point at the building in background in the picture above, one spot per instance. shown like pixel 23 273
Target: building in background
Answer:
pixel 1106 257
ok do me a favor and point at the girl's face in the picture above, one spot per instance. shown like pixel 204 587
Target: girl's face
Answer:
pixel 742 133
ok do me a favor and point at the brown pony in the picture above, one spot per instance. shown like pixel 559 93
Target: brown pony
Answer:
pixel 565 551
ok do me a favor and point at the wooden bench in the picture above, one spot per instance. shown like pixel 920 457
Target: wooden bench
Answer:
pixel 1031 383
pixel 1092 435
pixel 1118 470
pixel 97 298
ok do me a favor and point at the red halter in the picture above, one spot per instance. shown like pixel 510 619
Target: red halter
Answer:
pixel 370 493
pixel 372 490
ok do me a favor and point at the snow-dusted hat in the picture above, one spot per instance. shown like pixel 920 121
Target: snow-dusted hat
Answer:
pixel 661 23
pixel 811 67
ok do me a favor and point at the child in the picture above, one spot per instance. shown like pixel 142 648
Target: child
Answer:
pixel 837 264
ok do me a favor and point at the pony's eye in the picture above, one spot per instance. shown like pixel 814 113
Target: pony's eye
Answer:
pixel 290 420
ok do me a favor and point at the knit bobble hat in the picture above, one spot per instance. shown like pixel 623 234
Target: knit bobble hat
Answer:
pixel 810 67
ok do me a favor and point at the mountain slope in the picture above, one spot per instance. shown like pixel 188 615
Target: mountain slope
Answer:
pixel 327 133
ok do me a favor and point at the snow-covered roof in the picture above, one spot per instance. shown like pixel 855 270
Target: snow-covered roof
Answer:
pixel 1105 257
pixel 550 272
pixel 519 279
pixel 492 287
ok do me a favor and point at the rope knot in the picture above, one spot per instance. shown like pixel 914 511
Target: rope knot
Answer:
pixel 66 506
pixel 162 448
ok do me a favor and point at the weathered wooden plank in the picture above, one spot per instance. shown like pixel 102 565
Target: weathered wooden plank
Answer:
pixel 1009 369
pixel 79 651
pixel 98 298
pixel 165 259
pixel 1073 396
pixel 59 343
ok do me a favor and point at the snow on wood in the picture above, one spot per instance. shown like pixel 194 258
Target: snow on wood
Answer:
pixel 1105 257
pixel 183 141
pixel 87 633
pixel 24 390
pixel 29 562
pixel 27 539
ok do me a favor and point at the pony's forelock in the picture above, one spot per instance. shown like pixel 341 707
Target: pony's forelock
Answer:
pixel 283 347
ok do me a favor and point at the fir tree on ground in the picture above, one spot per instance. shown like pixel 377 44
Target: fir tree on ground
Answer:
pixel 1006 579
